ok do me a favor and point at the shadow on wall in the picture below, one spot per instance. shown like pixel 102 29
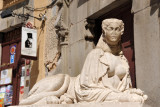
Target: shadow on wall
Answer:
pixel 155 5
pixel 34 71
pixel 81 2
pixel 35 67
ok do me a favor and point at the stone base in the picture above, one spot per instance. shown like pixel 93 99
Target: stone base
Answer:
pixel 108 104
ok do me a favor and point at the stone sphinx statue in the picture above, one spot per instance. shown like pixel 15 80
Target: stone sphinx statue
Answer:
pixel 104 76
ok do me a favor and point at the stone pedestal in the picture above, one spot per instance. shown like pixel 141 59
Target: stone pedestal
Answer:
pixel 108 104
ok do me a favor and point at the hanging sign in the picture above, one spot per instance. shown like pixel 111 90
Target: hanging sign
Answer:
pixel 29 42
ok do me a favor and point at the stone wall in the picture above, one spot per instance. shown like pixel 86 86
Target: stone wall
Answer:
pixel 51 39
pixel 78 46
pixel 11 23
pixel 147 47
pixel 37 67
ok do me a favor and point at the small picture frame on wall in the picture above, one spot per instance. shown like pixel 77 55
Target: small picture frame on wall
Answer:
pixel 6 76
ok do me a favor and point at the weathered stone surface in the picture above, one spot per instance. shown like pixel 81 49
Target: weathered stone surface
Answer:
pixel 73 12
pixel 92 8
pixel 104 3
pixel 102 7
pixel 139 5
pixel 77 32
pixel 51 39
pixel 64 57
pixel 78 53
pixel 1 4
pixel 65 15
pixel 82 10
pixel 77 10
pixel 73 34
pixel 147 49
pixel 12 22
pixel 9 23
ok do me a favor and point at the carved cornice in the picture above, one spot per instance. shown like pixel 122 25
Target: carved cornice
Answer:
pixel 8 3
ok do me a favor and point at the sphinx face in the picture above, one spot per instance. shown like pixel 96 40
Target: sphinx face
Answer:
pixel 112 33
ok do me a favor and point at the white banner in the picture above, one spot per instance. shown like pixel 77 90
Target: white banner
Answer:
pixel 29 42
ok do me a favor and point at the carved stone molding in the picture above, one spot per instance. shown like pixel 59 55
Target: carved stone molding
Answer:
pixel 62 35
pixel 89 29
pixel 61 28
pixel 8 3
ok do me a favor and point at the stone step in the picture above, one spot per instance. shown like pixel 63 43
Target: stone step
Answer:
pixel 108 104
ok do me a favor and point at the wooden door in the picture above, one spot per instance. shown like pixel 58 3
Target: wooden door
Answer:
pixel 9 39
pixel 124 13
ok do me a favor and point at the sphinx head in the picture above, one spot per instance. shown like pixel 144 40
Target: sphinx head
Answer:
pixel 112 29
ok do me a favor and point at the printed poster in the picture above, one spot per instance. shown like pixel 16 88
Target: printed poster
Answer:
pixel 9 95
pixel 21 93
pixel 2 95
pixel 6 76
pixel 12 53
pixel 1 102
pixel 29 42
pixel 2 89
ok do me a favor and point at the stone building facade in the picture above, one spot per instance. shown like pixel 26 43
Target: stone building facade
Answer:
pixel 145 39
pixel 72 30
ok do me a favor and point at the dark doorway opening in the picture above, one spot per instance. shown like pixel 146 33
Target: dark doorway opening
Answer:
pixel 124 13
